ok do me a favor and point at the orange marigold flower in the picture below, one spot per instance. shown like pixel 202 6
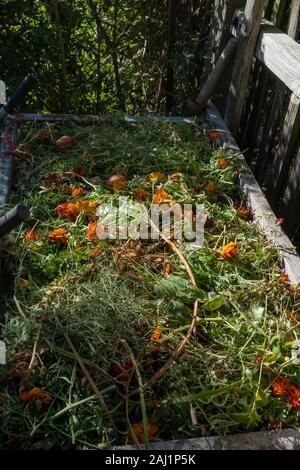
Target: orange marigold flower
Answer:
pixel 30 235
pixel 161 196
pixel 74 191
pixel 294 398
pixel 243 213
pixel 59 235
pixel 223 163
pixel 283 278
pixel 87 207
pixel 156 334
pixel 119 185
pixel 35 394
pixel 210 188
pixel 214 134
pixel 91 232
pixel 176 177
pixel 168 269
pixel 229 251
pixel 69 210
pixel 157 177
pixel 138 430
pixel 141 194
pixel 281 387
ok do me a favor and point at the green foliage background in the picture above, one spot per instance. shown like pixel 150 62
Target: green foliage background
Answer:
pixel 91 56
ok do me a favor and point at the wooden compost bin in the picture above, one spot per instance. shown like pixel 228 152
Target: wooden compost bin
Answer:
pixel 262 214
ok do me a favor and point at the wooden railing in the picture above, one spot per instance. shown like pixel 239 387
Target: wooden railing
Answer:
pixel 263 108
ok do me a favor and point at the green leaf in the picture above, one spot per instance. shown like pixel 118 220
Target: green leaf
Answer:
pixel 178 288
pixel 215 303
pixel 206 396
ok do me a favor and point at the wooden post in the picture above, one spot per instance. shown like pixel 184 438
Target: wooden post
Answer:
pixel 242 67
pixel 216 74
pixel 218 38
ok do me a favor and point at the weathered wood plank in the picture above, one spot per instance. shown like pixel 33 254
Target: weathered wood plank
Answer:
pixel 2 92
pixel 284 439
pixel 259 205
pixel 216 74
pixel 242 67
pixel 281 54
pixel 285 152
pixel 267 141
pixel 290 207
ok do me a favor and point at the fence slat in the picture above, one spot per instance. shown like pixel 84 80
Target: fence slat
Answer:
pixel 285 152
pixel 290 207
pixel 242 67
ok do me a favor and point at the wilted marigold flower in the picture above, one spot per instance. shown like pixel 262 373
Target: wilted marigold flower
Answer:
pixel 214 134
pixel 281 387
pixel 243 213
pixel 74 191
pixel 160 196
pixel 2 399
pixel 119 185
pixel 69 210
pixel 210 188
pixel 91 232
pixel 223 163
pixel 229 251
pixel 138 430
pixel 87 207
pixel 35 394
pixel 157 177
pixel 141 194
pixel 59 235
pixel 294 398
pixel 168 268
pixel 156 334
pixel 30 235
pixel 283 278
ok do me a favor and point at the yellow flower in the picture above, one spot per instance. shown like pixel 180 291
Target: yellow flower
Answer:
pixel 229 251
pixel 157 177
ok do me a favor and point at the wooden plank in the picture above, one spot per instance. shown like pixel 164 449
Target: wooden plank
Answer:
pixel 259 205
pixel 216 74
pixel 290 207
pixel 242 67
pixel 281 54
pixel 285 152
pixel 283 439
pixel 270 130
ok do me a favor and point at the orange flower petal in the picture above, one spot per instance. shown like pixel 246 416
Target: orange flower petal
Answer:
pixel 214 134
pixel 229 251
pixel 59 235
pixel 141 194
pixel 223 163
pixel 31 235
pixel 161 196
pixel 35 394
pixel 91 232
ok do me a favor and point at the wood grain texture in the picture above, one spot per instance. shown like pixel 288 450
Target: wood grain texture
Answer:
pixel 259 205
pixel 242 67
pixel 281 54
pixel 284 155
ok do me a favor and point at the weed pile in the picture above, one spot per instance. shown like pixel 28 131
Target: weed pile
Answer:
pixel 126 341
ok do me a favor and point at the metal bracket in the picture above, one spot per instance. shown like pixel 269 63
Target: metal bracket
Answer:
pixel 239 24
